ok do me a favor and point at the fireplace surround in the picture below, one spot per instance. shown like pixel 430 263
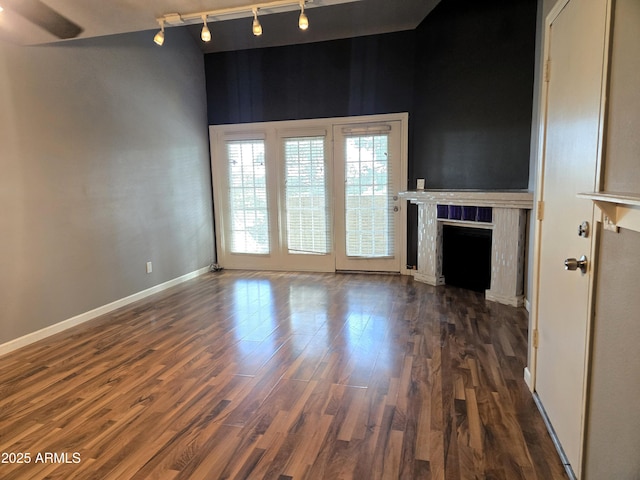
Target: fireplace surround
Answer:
pixel 502 211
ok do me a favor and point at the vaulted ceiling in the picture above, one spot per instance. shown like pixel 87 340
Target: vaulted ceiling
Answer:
pixel 328 19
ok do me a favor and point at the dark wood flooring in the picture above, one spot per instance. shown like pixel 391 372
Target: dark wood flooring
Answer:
pixel 281 376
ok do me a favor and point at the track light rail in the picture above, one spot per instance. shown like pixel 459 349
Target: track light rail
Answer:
pixel 175 19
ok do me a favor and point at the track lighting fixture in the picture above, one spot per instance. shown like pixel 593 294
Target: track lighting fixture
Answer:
pixel 159 38
pixel 268 6
pixel 205 35
pixel 257 28
pixel 303 21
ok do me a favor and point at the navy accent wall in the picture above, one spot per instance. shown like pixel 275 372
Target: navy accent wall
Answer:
pixel 473 95
pixel 357 76
pixel 465 76
pixel 473 98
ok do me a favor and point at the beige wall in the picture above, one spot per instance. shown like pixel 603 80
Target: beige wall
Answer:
pixel 613 437
pixel 622 163
pixel 613 421
pixel 104 166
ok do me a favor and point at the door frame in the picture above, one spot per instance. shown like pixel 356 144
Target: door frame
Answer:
pixel 403 118
pixel 530 369
pixel 217 135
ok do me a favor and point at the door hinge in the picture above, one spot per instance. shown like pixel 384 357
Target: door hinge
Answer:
pixel 547 71
pixel 540 210
pixel 535 338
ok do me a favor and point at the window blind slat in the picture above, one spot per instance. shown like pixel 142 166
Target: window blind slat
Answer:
pixel 305 196
pixel 248 197
pixel 369 218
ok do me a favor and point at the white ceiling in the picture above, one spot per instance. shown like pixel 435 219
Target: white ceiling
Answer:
pixel 327 21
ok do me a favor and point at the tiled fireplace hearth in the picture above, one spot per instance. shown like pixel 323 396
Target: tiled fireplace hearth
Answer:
pixel 502 211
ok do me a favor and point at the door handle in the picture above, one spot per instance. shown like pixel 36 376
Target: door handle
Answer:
pixel 573 264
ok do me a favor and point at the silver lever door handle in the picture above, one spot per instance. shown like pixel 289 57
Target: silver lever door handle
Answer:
pixel 573 264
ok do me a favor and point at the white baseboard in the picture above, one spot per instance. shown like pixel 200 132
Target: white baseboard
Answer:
pixel 32 337
pixel 514 301
pixel 554 437
pixel 527 378
pixel 428 279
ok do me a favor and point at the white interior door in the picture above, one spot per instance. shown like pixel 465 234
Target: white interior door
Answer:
pixel 367 209
pixel 576 51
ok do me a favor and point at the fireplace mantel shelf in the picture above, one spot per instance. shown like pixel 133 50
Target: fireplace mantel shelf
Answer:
pixel 508 226
pixel 481 198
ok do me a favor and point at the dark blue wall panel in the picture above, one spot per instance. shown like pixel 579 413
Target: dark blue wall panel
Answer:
pixel 359 76
pixel 474 95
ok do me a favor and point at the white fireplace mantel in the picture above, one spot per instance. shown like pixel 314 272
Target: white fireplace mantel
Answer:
pixel 508 225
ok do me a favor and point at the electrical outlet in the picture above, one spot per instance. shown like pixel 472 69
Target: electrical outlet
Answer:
pixel 149 267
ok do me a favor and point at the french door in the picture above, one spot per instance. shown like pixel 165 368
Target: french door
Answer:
pixel 316 195
pixel 305 227
pixel 367 173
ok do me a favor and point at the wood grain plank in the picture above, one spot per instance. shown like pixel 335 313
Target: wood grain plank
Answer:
pixel 282 376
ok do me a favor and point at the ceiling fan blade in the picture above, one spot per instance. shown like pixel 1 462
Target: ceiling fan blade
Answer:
pixel 45 17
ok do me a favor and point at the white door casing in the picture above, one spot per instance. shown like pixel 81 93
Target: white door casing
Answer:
pixel 576 46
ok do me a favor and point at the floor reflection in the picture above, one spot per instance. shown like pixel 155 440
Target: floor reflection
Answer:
pixel 253 315
pixel 308 312
pixel 341 329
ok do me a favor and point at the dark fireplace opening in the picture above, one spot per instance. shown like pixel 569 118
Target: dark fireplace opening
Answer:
pixel 466 257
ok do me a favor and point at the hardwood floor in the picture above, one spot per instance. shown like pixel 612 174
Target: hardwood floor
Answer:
pixel 280 376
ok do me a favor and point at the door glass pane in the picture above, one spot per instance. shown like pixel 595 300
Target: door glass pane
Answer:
pixel 305 196
pixel 248 197
pixel 369 221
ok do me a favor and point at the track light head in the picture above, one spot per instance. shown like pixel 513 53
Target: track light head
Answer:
pixel 256 28
pixel 159 38
pixel 240 11
pixel 303 21
pixel 205 35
